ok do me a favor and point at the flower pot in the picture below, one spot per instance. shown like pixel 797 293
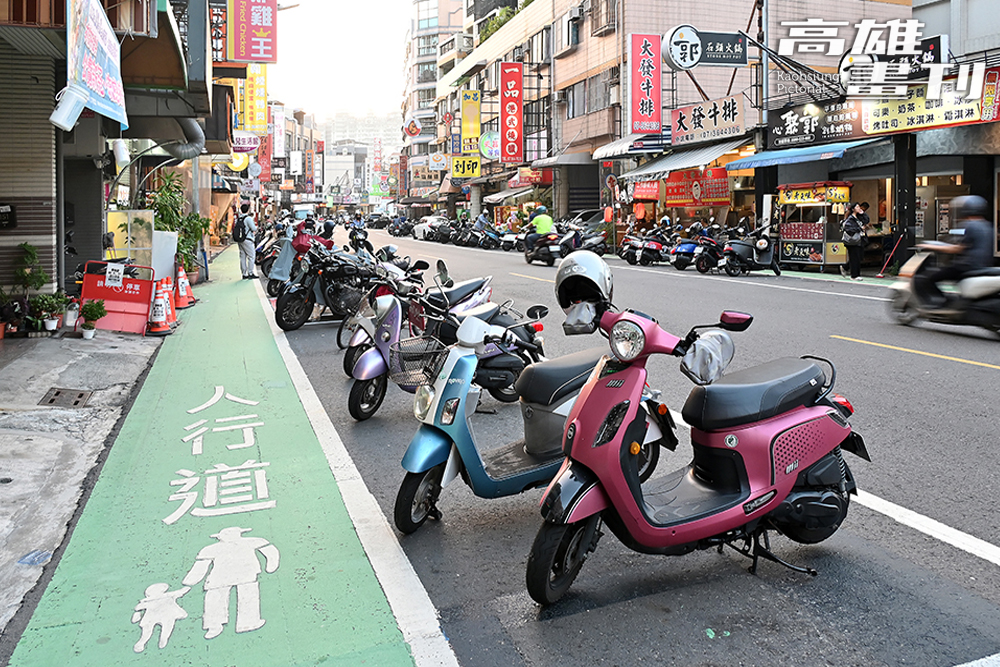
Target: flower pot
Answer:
pixel 51 324
pixel 88 333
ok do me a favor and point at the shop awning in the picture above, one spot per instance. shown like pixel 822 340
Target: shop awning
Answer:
pixel 561 159
pixel 634 144
pixel 504 194
pixel 795 155
pixel 682 159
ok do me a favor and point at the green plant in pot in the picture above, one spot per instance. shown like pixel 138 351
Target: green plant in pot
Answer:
pixel 91 311
pixel 47 308
pixel 168 202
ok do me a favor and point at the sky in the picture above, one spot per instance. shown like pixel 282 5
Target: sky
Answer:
pixel 341 55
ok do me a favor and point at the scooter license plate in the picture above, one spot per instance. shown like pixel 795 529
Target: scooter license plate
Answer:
pixel 672 258
pixel 554 249
pixel 722 263
pixel 699 250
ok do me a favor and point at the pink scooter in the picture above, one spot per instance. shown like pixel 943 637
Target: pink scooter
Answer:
pixel 767 456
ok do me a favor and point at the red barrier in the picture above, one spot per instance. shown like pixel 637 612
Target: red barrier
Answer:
pixel 127 305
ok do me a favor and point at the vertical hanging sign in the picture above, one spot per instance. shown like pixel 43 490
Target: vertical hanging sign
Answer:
pixel 252 31
pixel 278 121
pixel 264 158
pixel 310 166
pixel 470 121
pixel 511 112
pixel 645 86
pixel 255 99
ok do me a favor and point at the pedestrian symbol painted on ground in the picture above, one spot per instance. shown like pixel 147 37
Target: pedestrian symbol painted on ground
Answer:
pixel 232 561
pixel 159 607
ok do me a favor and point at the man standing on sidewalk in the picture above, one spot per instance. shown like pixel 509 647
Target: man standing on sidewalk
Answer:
pixel 244 232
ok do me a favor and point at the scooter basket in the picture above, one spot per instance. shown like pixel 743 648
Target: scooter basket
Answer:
pixel 416 361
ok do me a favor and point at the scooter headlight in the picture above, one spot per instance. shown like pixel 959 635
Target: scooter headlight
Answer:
pixel 422 401
pixel 627 340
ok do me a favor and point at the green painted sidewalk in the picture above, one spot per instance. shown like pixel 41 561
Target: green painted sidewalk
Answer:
pixel 216 534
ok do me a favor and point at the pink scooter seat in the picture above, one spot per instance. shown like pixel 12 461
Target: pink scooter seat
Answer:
pixel 754 394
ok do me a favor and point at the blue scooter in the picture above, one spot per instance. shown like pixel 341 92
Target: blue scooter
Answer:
pixel 444 447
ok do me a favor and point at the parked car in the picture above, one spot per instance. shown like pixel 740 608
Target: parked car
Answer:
pixel 422 229
pixel 377 221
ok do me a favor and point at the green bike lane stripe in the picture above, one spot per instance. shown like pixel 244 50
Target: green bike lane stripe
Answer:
pixel 216 534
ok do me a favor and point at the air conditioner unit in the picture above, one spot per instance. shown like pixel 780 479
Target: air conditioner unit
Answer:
pixel 560 96
pixel 575 13
pixel 588 6
pixel 468 42
pixel 614 95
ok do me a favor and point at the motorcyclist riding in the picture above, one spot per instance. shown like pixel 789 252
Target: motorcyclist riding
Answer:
pixel 974 251
pixel 543 225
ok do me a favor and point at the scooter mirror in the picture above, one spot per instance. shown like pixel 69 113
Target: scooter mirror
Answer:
pixel 420 265
pixel 537 312
pixel 732 320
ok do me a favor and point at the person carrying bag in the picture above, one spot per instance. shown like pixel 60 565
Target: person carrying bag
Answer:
pixel 853 238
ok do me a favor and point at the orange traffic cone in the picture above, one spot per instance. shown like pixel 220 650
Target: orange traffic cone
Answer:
pixel 157 325
pixel 185 299
pixel 168 295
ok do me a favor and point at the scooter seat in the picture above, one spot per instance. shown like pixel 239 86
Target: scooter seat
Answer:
pixel 754 394
pixel 547 382
pixel 445 299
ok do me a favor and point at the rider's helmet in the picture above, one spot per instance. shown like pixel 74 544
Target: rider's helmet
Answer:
pixel 696 228
pixel 970 206
pixel 328 228
pixel 541 209
pixel 584 288
pixel 279 227
pixel 665 220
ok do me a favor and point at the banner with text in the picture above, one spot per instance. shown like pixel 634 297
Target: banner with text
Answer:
pixel 645 84
pixel 470 121
pixel 707 121
pixel 694 187
pixel 252 31
pixel 511 112
pixel 93 59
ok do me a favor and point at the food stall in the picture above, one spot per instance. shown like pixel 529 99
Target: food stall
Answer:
pixel 809 217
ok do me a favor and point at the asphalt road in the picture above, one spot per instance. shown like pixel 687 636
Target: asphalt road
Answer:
pixel 887 593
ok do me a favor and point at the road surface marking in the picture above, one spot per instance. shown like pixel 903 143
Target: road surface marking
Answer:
pixel 521 275
pixel 924 354
pixel 678 274
pixel 415 613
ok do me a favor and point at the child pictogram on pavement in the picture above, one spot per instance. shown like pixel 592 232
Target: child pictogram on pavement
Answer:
pixel 232 561
pixel 159 607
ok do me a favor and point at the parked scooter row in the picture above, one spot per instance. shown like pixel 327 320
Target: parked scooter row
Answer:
pixel 767 441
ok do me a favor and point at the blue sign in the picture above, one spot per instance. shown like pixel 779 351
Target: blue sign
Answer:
pixel 93 59
pixel 456 144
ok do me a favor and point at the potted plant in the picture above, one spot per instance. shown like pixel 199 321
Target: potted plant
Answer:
pixel 47 308
pixel 91 311
pixel 168 202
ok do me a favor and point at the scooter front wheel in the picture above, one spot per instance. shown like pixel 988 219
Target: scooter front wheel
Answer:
pixel 557 556
pixel 902 310
pixel 366 397
pixel 351 357
pixel 345 331
pixel 273 288
pixel 417 499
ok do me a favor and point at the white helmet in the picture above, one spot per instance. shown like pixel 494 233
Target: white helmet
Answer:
pixel 584 287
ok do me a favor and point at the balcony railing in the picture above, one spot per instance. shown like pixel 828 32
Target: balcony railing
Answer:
pixel 135 16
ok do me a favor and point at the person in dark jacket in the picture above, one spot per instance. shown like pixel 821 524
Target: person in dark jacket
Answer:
pixel 974 250
pixel 853 226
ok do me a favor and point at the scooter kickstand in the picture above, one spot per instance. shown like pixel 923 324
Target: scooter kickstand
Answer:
pixel 764 551
pixel 491 411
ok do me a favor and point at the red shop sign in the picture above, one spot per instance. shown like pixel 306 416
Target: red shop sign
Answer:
pixel 648 190
pixel 694 187
pixel 645 98
pixel 127 304
pixel 511 112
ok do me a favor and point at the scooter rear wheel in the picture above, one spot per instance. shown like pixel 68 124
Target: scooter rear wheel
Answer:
pixel 732 269
pixel 292 310
pixel 550 261
pixel 265 266
pixel 366 397
pixel 902 311
pixel 631 258
pixel 557 556
pixel 417 499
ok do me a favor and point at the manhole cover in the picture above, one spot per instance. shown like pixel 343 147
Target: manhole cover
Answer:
pixel 66 398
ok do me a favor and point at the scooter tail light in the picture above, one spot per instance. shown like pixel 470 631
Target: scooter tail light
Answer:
pixel 538 327
pixel 843 403
pixel 728 248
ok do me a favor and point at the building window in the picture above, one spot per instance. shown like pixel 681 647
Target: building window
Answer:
pixel 603 16
pixel 427 46
pixel 425 99
pixel 569 31
pixel 538 49
pixel 426 72
pixel 427 14
pixel 576 100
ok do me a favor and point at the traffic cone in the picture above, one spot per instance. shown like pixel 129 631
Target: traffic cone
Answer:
pixel 168 295
pixel 157 325
pixel 185 299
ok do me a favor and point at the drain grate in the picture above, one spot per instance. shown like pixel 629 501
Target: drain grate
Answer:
pixel 66 398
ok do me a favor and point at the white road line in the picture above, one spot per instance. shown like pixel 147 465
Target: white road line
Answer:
pixel 415 614
pixel 752 283
pixel 988 661
pixel 926 525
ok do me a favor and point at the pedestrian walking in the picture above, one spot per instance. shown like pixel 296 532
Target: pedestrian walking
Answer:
pixel 244 232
